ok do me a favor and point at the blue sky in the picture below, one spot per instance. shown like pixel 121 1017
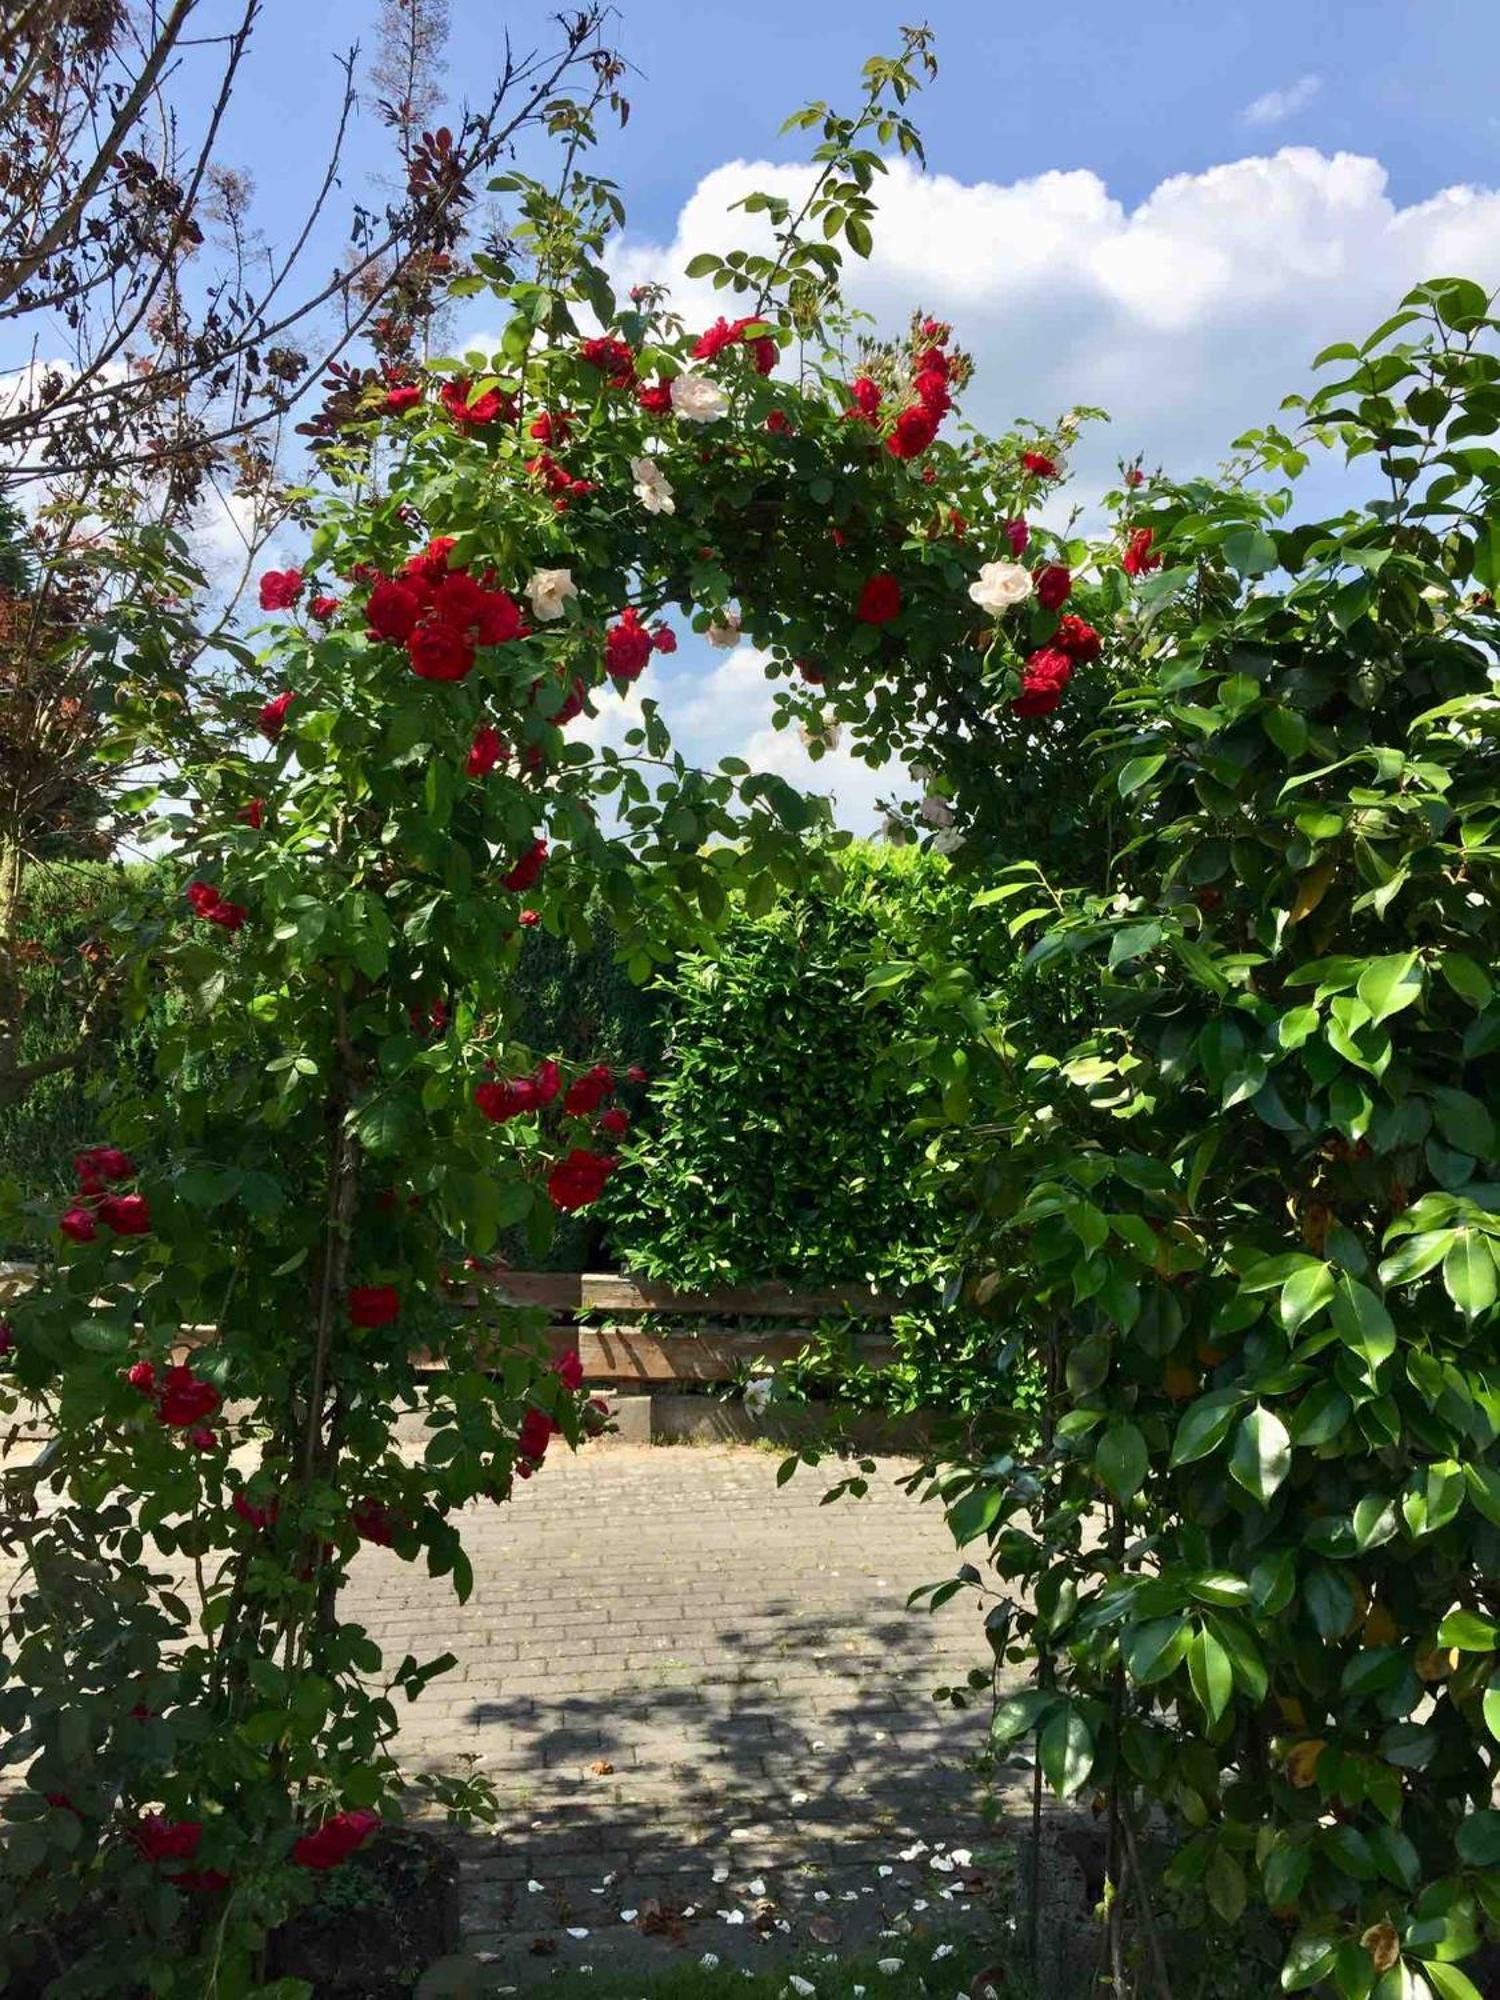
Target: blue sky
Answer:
pixel 1163 208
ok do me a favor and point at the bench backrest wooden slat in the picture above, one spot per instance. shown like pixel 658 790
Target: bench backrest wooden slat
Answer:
pixel 607 1291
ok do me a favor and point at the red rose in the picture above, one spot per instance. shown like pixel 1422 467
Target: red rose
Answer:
pixel 202 1881
pixel 335 1840
pixel 1052 586
pixel 589 1091
pixel 492 615
pixel 779 424
pixel 142 1377
pixel 440 652
pixel 933 361
pixel 880 600
pixel 719 336
pixel 1045 675
pixel 1018 535
pixel 78 1225
pixel 1138 559
pixel 161 1839
pixel 636 1074
pixel 532 1439
pixel 103 1163
pixel 430 565
pixel 916 427
pixel 627 647
pixel 405 396
pixel 273 715
pixel 568 1369
pixel 526 871
pixel 1135 476
pixel 663 639
pixel 655 397
pixel 126 1214
pixel 579 1179
pixel 932 394
pixel 253 815
pixel 765 353
pixel 1039 463
pixel 572 705
pixel 866 393
pixel 257 1514
pixel 616 1122
pixel 519 1094
pixel 185 1399
pixel 485 409
pixel 374 1522
pixel 228 916
pixel 280 589
pixel 551 427
pixel 373 1305
pixel 323 608
pixel 486 751
pixel 202 1439
pixel 1078 639
pixel 392 610
pixel 530 919
pixel 612 358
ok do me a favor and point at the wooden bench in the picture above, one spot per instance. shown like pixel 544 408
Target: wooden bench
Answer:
pixel 627 1355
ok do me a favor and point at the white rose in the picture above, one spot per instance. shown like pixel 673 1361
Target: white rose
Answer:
pixel 936 810
pixel 697 399
pixel 725 632
pixel 651 486
pixel 947 843
pixel 549 590
pixel 826 732
pixel 999 585
pixel 758 1392
pixel 895 832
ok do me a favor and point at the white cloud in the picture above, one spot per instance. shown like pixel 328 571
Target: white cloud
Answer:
pixel 1279 105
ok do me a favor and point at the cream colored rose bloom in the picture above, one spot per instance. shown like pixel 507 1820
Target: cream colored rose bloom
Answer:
pixel 826 732
pixel 725 632
pixel 652 488
pixel 696 398
pixel 999 585
pixel 549 590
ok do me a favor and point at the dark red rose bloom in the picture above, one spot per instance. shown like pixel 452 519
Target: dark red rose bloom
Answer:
pixel 1135 476
pixel 1018 535
pixel 162 1839
pixel 440 652
pixel 520 1094
pixel 814 676
pixel 142 1377
pixel 335 1840
pixel 1139 559
pixel 253 815
pixel 779 424
pixel 7 1337
pixel 765 353
pixel 572 705
pixel 374 1522
pixel 663 639
pixel 589 1091
pixel 720 335
pixel 322 608
pixel 552 426
pixel 280 589
pixel 636 1074
pixel 916 427
pixel 373 1305
pixel 430 565
pixel 612 358
pixel 126 1214
pixel 932 394
pixel 486 751
pixel 880 600
pixel 273 715
pixel 103 1163
pixel 579 1179
pixel 202 1439
pixel 494 405
pixel 536 1433
pixel 1045 675
pixel 655 397
pixel 530 919
pixel 184 1398
pixel 259 1515
pixel 527 870
pixel 392 610
pixel 1039 463
pixel 403 397
pixel 1078 639
pixel 201 897
pixel 627 647
pixel 492 616
pixel 78 1225
pixel 866 394
pixel 568 1369
pixel 228 916
pixel 1053 582
pixel 615 1122
pixel 933 361
pixel 201 1881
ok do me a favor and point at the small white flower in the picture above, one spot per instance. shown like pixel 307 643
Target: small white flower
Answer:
pixel 698 399
pixel 999 585
pixel 549 590
pixel 826 732
pixel 725 631
pixel 936 810
pixel 948 842
pixel 651 486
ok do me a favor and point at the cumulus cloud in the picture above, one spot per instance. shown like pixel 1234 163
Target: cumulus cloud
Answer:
pixel 1279 105
pixel 1187 316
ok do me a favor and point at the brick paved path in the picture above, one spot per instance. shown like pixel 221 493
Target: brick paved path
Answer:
pixel 742 1658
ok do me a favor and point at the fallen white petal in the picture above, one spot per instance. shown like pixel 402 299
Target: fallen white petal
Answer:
pixel 889 1964
pixel 536 1888
pixel 721 1874
pixel 884 1870
pixel 942 1864
pixel 962 1858
pixel 755 1888
pixel 803 1986
pixel 732 1916
pixel 709 1961
pixel 627 1916
pixel 578 1933
pixel 943 1951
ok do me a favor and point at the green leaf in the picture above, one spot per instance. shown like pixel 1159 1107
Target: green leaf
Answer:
pixel 1468 980
pixel 1224 1885
pixel 98 1336
pixel 1362 1321
pixel 1469 1632
pixel 703 265
pixel 1388 984
pixel 1416 1256
pixel 1305 1292
pixel 975 1512
pixel 1019 1714
pixel 1155 1649
pixel 1310 1959
pixel 1464 1122
pixel 1469 1274
pixel 1122 1460
pixel 1250 551
pixel 1262 1455
pixel 1138 771
pixel 1205 1424
pixel 1066 1751
pixel 1478 1839
pixel 1492 1710
pixel 1211 1673
pixel 1447 1982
